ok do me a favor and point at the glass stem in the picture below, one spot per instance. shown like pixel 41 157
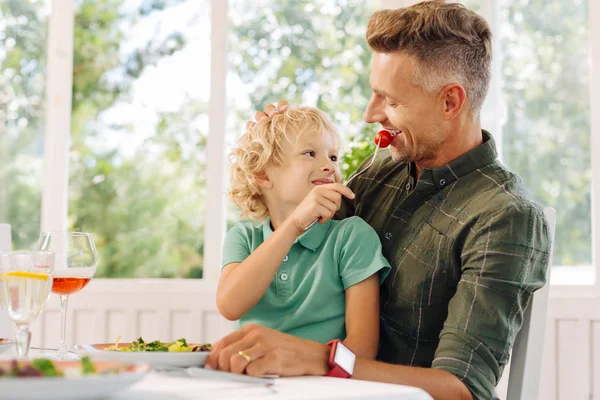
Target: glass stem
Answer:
pixel 62 349
pixel 22 339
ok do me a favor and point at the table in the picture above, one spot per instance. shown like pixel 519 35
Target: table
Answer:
pixel 173 385
pixel 157 386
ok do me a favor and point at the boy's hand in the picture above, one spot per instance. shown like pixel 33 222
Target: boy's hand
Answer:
pixel 321 204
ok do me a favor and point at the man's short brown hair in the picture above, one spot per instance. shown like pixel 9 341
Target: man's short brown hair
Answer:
pixel 450 44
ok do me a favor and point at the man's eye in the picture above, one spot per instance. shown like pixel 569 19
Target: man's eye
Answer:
pixel 393 105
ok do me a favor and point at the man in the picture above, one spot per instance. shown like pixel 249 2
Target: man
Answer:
pixel 467 246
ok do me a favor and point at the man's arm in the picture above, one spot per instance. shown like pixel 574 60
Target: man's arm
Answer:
pixel 441 385
pixel 504 260
pixel 273 352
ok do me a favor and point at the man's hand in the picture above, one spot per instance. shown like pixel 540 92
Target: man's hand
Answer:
pixel 269 111
pixel 265 351
pixel 321 204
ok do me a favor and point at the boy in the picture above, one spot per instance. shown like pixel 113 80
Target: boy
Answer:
pixel 318 282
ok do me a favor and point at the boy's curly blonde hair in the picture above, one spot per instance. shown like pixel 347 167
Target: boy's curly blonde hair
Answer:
pixel 262 146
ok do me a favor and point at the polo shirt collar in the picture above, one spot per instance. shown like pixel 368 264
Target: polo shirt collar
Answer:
pixel 479 157
pixel 311 239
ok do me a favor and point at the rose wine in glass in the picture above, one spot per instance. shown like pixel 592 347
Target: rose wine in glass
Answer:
pixel 69 285
pixel 25 283
pixel 75 265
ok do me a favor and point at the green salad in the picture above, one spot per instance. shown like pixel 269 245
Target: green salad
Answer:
pixel 44 367
pixel 179 345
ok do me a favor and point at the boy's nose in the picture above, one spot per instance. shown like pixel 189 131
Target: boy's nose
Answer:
pixel 328 165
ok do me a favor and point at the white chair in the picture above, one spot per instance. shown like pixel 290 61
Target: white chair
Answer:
pixel 526 357
pixel 5 245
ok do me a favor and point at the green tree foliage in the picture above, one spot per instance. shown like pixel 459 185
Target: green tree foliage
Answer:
pixel 547 132
pixel 145 209
pixel 308 52
pixel 138 207
pixel 22 56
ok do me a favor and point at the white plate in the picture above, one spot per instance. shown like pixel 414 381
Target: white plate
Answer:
pixel 80 387
pixel 154 358
pixel 5 344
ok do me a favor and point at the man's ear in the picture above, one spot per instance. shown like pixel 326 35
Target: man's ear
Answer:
pixel 263 180
pixel 454 98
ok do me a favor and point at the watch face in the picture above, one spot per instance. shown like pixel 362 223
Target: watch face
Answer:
pixel 344 358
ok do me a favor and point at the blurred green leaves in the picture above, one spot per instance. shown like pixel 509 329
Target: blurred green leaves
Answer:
pixel 143 207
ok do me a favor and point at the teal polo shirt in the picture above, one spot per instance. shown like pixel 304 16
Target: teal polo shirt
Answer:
pixel 307 295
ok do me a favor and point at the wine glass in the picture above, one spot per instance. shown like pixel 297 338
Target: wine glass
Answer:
pixel 25 285
pixel 75 265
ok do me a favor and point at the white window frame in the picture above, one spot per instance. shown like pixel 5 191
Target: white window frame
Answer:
pixel 567 281
pixel 575 282
pixel 58 129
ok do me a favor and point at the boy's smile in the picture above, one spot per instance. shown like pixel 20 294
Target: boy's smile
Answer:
pixel 322 181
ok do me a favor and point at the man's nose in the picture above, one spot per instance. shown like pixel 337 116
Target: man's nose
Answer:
pixel 375 111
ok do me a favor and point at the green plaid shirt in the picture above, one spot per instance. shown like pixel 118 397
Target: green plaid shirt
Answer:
pixel 467 247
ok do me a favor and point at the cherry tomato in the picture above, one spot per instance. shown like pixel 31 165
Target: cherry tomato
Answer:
pixel 383 138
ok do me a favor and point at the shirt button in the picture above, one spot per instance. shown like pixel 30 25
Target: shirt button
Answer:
pixel 442 182
pixel 285 258
pixel 284 276
pixel 388 235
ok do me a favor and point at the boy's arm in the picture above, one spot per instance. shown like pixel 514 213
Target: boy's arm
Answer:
pixel 362 317
pixel 242 285
pixel 362 268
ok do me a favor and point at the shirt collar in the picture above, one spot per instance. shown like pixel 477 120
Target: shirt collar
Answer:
pixel 311 239
pixel 477 158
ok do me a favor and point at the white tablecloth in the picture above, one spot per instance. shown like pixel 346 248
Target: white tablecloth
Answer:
pixel 178 385
pixel 160 387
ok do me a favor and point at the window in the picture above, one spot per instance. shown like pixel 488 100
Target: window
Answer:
pixel 307 52
pixel 139 129
pixel 545 71
pixel 23 29
pixel 140 112
pixel 538 109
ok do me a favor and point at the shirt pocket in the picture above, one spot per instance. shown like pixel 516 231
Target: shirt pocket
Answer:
pixel 420 273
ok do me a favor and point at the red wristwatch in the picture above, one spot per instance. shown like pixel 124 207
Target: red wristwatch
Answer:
pixel 341 360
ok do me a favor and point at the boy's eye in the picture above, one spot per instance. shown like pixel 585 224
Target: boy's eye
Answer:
pixel 310 153
pixel 333 158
